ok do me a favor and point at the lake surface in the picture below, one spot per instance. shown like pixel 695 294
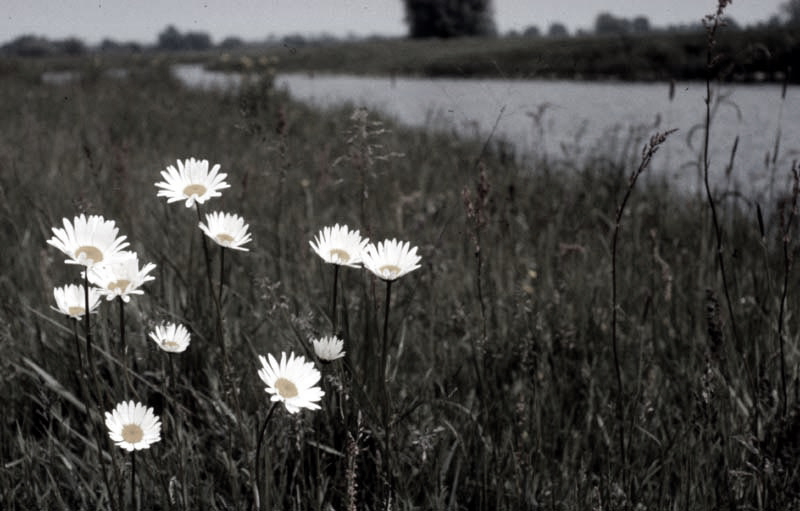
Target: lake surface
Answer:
pixel 565 119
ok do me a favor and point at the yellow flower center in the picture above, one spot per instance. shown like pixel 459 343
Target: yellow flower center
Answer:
pixel 339 255
pixel 194 189
pixel 224 238
pixel 391 269
pixel 286 388
pixel 89 253
pixel 75 311
pixel 119 285
pixel 132 433
pixel 171 345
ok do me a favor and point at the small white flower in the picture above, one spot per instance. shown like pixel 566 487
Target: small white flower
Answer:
pixel 171 337
pixel 71 300
pixel 328 348
pixel 339 245
pixel 133 426
pixel 391 259
pixel 88 241
pixel 291 381
pixel 226 230
pixel 191 182
pixel 121 278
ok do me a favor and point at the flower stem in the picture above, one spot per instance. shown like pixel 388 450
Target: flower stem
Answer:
pixel 334 316
pixel 125 359
pixel 221 272
pixel 387 426
pixel 87 322
pixel 93 375
pixel 133 480
pixel 74 323
pixel 259 443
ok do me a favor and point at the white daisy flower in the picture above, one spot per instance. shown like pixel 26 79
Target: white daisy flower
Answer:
pixel 391 259
pixel 328 348
pixel 191 182
pixel 89 241
pixel 291 381
pixel 71 300
pixel 171 337
pixel 226 230
pixel 121 278
pixel 339 245
pixel 133 426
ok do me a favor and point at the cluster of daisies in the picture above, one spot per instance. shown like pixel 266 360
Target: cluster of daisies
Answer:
pixel 93 243
pixel 388 260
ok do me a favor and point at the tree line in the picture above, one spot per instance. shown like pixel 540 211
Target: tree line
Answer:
pixel 425 19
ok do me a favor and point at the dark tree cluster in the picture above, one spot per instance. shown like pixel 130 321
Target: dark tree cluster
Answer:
pixel 35 46
pixel 608 24
pixel 171 39
pixel 449 18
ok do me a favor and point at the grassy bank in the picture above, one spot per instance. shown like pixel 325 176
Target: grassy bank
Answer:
pixel 747 55
pixel 503 390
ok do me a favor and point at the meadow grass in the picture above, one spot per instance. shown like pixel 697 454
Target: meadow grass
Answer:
pixel 502 389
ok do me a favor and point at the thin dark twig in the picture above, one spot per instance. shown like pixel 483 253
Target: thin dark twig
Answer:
pixel 712 25
pixel 787 264
pixel 647 154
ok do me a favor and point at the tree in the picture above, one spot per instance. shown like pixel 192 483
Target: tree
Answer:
pixel 170 39
pixel 532 31
pixel 640 25
pixel 557 30
pixel 449 18
pixel 606 24
pixel 792 11
pixel 197 41
pixel 72 46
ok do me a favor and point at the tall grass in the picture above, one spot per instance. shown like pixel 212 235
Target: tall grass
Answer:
pixel 500 370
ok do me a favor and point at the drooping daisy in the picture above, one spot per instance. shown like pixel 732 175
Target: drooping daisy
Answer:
pixel 171 337
pixel 133 426
pixel 71 300
pixel 191 182
pixel 291 381
pixel 339 245
pixel 328 348
pixel 391 259
pixel 89 241
pixel 226 230
pixel 121 278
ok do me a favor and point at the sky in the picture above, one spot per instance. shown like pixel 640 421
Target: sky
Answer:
pixel 255 20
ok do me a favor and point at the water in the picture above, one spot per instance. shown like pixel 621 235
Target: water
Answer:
pixel 567 119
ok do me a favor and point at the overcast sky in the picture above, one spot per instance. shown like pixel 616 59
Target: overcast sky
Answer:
pixel 143 20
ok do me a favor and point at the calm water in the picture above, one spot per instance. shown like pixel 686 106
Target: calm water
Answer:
pixel 554 118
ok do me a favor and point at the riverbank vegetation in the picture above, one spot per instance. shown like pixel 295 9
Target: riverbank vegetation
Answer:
pixel 555 350
pixel 615 49
pixel 766 54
